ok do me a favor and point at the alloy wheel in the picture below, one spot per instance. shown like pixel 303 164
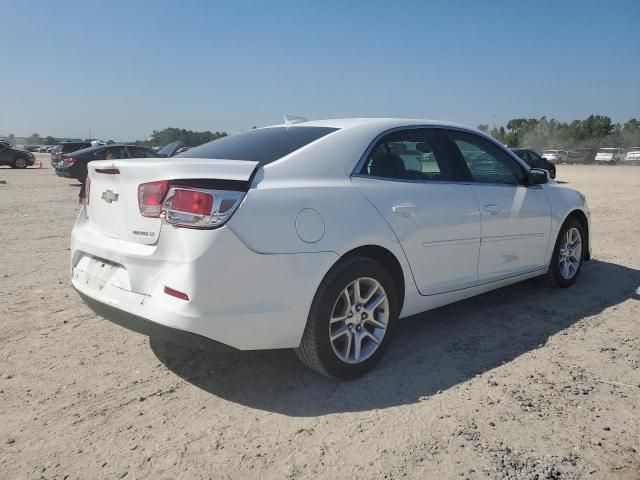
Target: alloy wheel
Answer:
pixel 359 320
pixel 570 253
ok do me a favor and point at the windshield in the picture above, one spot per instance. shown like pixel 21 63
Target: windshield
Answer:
pixel 263 145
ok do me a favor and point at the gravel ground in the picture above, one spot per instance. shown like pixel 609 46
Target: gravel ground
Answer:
pixel 521 383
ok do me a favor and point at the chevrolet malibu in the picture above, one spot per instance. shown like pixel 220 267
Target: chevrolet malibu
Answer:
pixel 318 236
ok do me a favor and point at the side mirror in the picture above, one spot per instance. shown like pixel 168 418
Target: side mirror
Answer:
pixel 537 176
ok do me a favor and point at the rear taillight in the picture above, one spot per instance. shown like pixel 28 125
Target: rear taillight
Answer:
pixel 199 208
pixel 150 197
pixel 69 160
pixel 84 199
pixel 193 202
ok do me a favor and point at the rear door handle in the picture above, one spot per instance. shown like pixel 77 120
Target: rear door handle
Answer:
pixel 492 209
pixel 405 210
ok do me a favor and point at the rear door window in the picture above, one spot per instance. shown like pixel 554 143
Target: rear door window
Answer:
pixel 141 152
pixel 74 147
pixel 412 154
pixel 263 145
pixel 535 157
pixel 113 153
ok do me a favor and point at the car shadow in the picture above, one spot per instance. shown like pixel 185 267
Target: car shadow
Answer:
pixel 430 352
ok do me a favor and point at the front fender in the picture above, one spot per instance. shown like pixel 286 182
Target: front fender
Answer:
pixel 565 201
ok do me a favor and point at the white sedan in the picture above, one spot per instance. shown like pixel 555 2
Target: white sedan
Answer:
pixel 318 236
pixel 556 156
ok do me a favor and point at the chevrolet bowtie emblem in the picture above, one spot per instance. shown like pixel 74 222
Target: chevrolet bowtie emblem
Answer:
pixel 109 197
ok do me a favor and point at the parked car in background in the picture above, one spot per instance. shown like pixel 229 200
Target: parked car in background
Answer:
pixel 582 155
pixel 64 148
pixel 14 157
pixel 534 160
pixel 32 148
pixel 556 156
pixel 610 155
pixel 74 164
pixel 187 249
pixel 633 156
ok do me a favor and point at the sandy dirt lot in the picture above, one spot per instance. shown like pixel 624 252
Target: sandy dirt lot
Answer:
pixel 521 383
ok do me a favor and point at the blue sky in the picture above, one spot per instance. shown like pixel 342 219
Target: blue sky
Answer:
pixel 124 68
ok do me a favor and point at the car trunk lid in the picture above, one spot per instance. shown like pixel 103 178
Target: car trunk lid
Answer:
pixel 113 208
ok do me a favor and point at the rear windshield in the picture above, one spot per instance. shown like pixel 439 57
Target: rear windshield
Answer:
pixel 264 145
pixel 72 147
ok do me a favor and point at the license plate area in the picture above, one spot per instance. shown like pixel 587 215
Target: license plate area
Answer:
pixel 96 273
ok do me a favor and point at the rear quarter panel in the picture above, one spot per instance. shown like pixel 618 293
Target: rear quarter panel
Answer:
pixel 266 221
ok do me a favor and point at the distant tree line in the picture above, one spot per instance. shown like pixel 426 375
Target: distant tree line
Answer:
pixel 189 137
pixel 157 138
pixel 540 133
pixel 594 131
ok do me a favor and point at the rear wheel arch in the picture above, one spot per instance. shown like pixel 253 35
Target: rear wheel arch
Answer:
pixel 385 258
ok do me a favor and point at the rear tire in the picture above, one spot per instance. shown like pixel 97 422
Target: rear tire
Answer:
pixel 346 332
pixel 568 255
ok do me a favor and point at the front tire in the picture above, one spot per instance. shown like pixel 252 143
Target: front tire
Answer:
pixel 351 320
pixel 567 258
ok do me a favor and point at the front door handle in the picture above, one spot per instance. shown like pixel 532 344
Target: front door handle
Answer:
pixel 405 210
pixel 492 209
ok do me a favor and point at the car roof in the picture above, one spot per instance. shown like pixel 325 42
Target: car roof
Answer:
pixel 99 147
pixel 382 123
pixel 334 153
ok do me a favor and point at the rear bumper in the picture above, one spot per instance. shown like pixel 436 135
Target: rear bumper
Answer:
pixel 152 329
pixel 237 297
pixel 63 173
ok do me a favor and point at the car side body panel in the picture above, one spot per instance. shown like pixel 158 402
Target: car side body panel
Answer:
pixel 276 209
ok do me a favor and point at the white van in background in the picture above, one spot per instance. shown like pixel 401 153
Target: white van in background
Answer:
pixel 556 156
pixel 610 155
pixel 633 156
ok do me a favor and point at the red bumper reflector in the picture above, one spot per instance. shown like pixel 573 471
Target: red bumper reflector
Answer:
pixel 176 293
